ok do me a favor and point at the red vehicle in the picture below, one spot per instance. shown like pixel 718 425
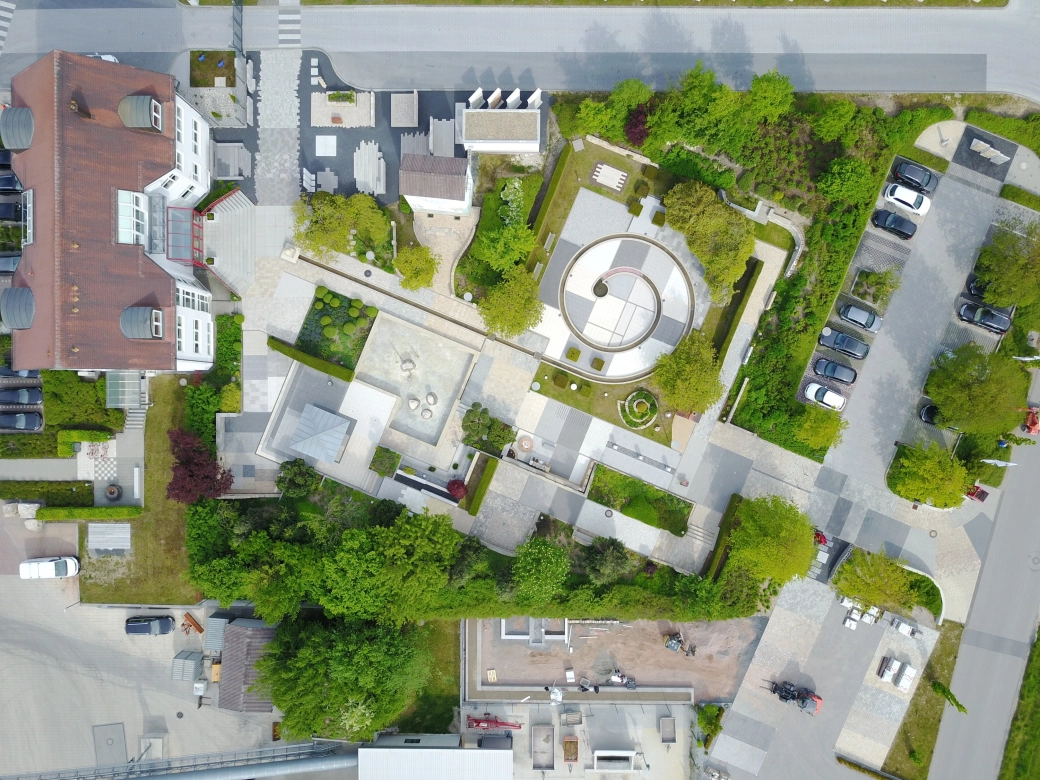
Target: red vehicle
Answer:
pixel 1032 424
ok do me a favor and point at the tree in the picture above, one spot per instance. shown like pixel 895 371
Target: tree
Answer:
pixel 1011 264
pixel 457 489
pixel 296 479
pixel 539 571
pixel 504 249
pixel 940 689
pixel 512 307
pixel 688 376
pixel 512 211
pixel 595 118
pixel 417 265
pixel 636 131
pixel 820 429
pixel 476 424
pixel 342 679
pixel 928 474
pixel 978 392
pixel 829 123
pixel 606 560
pixel 722 238
pixel 770 97
pixel 848 180
pixel 876 580
pixel 773 540
pixel 324 221
pixel 196 473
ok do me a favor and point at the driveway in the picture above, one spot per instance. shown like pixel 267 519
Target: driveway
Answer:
pixel 17 543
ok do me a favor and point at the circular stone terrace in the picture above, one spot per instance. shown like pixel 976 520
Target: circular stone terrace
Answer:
pixel 625 300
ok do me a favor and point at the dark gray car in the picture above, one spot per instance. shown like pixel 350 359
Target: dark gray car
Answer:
pixel 985 318
pixel 831 369
pixel 892 223
pixel 9 184
pixel 148 625
pixel 25 373
pixel 840 342
pixel 29 421
pixel 859 317
pixel 22 395
pixel 916 177
pixel 9 263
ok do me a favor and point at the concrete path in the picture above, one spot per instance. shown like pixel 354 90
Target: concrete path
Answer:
pixel 63 469
pixel 447 237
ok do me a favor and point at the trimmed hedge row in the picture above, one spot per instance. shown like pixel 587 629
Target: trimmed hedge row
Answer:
pixel 482 487
pixel 1021 197
pixel 55 494
pixel 88 512
pixel 340 372
pixel 550 192
pixel 740 311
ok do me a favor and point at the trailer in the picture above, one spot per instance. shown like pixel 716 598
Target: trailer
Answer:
pixel 543 747
pixel 667 731
pixel 570 750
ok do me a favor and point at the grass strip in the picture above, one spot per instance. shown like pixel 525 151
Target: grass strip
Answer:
pixel 774 234
pixel 332 369
pixel 1020 196
pixel 550 193
pixel 482 487
pixel 88 512
pixel 726 525
pixel 1022 131
pixel 738 311
pixel 1022 751
pixel 924 158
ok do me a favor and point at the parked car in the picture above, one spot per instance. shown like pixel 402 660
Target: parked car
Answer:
pixel 25 373
pixel 985 317
pixel 9 263
pixel 11 212
pixel 831 369
pixel 5 158
pixel 28 421
pixel 840 342
pixel 105 57
pixel 9 184
pixel 22 395
pixel 48 568
pixel 977 286
pixel 907 199
pixel 824 396
pixel 930 414
pixel 862 318
pixel 916 177
pixel 150 625
pixel 893 223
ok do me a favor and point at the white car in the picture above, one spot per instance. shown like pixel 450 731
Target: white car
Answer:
pixel 908 200
pixel 105 57
pixel 824 397
pixel 906 678
pixel 48 568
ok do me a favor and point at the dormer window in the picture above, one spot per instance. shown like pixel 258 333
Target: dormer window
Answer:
pixel 157 115
pixel 132 217
pixel 141 322
pixel 157 324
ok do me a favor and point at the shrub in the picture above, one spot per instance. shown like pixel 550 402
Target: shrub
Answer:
pixel 597 364
pixel 68 437
pixel 691 165
pixel 650 172
pixel 357 303
pixel 349 328
pixel 573 354
pixel 746 181
pixel 240 318
pixel 636 131
pixel 332 369
pixel 585 391
pixel 371 311
pixel 329 332
pixel 326 320
pixel 341 97
pixel 58 494
pixel 231 399
pixel 482 486
pixel 320 291
pixel 327 297
pixel 319 305
pixel 709 720
pixel 361 322
pixel 561 380
pixel 296 479
pixel 88 512
pixel 353 311
pixel 658 218
pixel 200 413
pixel 642 189
pixel 334 303
pixel 196 473
pixel 402 205
pixel 635 208
pixel 457 489
pixel 385 462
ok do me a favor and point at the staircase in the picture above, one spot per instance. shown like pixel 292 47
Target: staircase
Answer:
pixel 135 419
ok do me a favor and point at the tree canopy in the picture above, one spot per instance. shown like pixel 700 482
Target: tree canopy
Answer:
pixel 1011 264
pixel 978 392
pixel 830 122
pixel 688 376
pixel 417 265
pixel 928 474
pixel 296 479
pixel 848 180
pixel 196 473
pixel 876 580
pixel 820 428
pixel 722 238
pixel 773 539
pixel 512 307
pixel 506 248
pixel 606 560
pixel 324 222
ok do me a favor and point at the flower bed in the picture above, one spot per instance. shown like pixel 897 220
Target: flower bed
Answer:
pixel 336 328
pixel 639 410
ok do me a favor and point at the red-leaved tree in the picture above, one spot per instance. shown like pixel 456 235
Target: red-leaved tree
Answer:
pixel 457 489
pixel 196 474
pixel 636 130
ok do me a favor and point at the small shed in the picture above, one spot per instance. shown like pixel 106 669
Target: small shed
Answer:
pixel 187 665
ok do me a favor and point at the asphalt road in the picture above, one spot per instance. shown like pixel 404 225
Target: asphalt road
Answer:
pixel 584 47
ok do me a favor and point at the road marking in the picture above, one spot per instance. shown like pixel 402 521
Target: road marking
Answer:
pixel 996 644
pixel 6 16
pixel 289 24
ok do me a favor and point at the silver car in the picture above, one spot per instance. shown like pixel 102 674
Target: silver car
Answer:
pixel 861 318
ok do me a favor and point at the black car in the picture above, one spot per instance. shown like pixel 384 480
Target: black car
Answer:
pixel 5 158
pixel 22 395
pixel 985 318
pixel 894 224
pixel 847 345
pixel 9 184
pixel 29 421
pixel 831 369
pixel 150 626
pixel 916 177
pixel 859 317
pixel 25 373
pixel 9 263
pixel 977 286
pixel 930 414
pixel 11 212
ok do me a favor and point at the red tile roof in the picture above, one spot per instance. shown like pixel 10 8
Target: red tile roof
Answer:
pixel 81 278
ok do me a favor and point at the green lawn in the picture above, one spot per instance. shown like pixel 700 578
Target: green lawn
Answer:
pixel 1022 751
pixel 920 726
pixel 1020 196
pixel 773 234
pixel 203 73
pixel 640 500
pixel 603 401
pixel 434 707
pixel 156 571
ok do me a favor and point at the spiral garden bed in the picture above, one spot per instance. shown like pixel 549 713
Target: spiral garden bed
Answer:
pixel 639 409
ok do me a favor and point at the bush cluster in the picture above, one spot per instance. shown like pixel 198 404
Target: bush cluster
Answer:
pixel 54 494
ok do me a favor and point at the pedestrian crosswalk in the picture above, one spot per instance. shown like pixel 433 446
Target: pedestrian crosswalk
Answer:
pixel 288 26
pixel 6 14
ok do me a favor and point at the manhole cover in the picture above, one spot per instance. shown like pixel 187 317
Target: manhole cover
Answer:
pixel 1034 560
pixel 933 534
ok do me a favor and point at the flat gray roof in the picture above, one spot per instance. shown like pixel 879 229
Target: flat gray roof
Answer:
pixel 501 124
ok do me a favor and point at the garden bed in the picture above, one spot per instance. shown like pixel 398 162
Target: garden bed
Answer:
pixel 336 328
pixel 640 500
pixel 202 73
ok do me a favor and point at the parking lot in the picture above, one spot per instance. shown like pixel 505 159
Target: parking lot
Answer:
pixel 69 668
pixel 16 383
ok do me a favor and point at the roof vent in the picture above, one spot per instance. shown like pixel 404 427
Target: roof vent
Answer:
pixel 16 128
pixel 17 308
pixel 141 111
pixel 141 322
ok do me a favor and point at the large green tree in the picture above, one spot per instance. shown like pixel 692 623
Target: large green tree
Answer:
pixel 772 540
pixel 770 97
pixel 928 474
pixel 820 428
pixel 688 376
pixel 506 248
pixel 324 222
pixel 848 180
pixel 876 580
pixel 512 307
pixel 296 479
pixel 978 392
pixel 722 238
pixel 831 120
pixel 539 571
pixel 417 265
pixel 342 679
pixel 1011 264
pixel 606 560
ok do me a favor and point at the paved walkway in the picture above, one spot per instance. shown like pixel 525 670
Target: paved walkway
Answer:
pixel 277 169
pixel 38 468
pixel 447 237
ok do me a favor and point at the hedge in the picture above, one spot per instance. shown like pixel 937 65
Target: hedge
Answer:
pixel 550 192
pixel 729 518
pixel 88 512
pixel 340 372
pixel 55 494
pixel 67 438
pixel 1020 196
pixel 482 487
pixel 1023 131
pixel 740 311
pixel 926 159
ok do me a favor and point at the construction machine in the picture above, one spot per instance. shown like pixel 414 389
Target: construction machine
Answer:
pixel 806 699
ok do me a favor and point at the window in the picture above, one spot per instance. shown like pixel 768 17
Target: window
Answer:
pixel 176 296
pixel 195 136
pixel 157 323
pixel 187 299
pixel 187 193
pixel 27 215
pixel 157 115
pixel 170 181
pixel 132 217
pixel 197 332
pixel 203 302
pixel 180 333
pixel 180 161
pixel 195 171
pixel 209 338
pixel 180 123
